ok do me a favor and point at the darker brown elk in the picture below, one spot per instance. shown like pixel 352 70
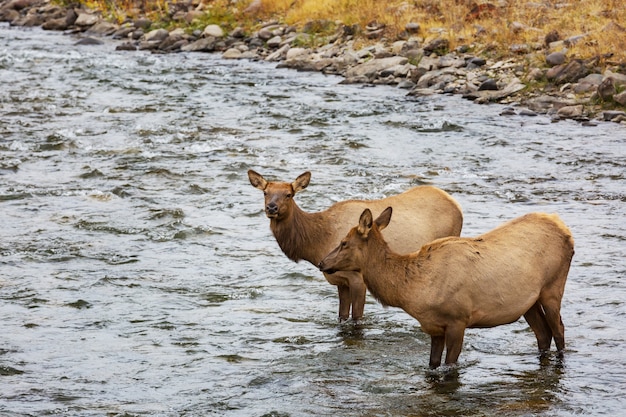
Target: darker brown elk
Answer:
pixel 454 283
pixel 424 213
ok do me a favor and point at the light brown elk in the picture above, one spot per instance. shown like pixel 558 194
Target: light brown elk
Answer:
pixel 424 213
pixel 454 283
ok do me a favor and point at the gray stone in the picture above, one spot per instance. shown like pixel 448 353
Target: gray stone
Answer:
pixel 570 112
pixel 232 53
pixel 370 68
pixel 606 89
pixel 213 30
pixel 157 35
pixel 201 45
pixel 555 58
pixel 86 19
pixel 610 115
pixel 620 98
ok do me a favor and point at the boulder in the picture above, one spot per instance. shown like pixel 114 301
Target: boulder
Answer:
pixel 214 31
pixel 570 112
pixel 86 19
pixel 372 67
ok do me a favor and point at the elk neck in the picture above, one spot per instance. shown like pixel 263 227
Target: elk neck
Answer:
pixel 390 278
pixel 302 235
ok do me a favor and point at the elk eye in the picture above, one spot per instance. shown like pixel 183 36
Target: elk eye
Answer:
pixel 289 195
pixel 344 244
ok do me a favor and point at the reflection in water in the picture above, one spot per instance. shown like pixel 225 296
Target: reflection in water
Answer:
pixel 138 275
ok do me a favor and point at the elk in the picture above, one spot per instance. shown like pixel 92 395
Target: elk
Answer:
pixel 454 283
pixel 424 213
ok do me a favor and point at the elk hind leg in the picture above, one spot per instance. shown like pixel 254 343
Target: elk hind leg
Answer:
pixel 536 319
pixel 551 303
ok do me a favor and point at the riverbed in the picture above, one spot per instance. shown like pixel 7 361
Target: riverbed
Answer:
pixel 139 277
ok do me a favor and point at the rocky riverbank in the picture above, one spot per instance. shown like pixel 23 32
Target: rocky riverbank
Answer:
pixel 538 80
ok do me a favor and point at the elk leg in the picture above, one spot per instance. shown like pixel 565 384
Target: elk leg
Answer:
pixel 437 343
pixel 552 307
pixel 344 302
pixel 454 343
pixel 357 293
pixel 537 321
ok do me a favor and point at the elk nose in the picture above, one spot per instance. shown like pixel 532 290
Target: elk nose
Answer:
pixel 271 208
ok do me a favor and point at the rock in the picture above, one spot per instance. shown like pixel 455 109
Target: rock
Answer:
pixel 528 113
pixel 412 27
pixel 296 53
pixel 89 41
pixel 513 87
pixel 55 24
pixel 370 68
pixel 142 23
pixel 237 33
pixel 232 53
pixel 555 58
pixel 279 54
pixel 508 111
pixel 476 62
pixel 606 89
pixel 611 115
pixel 519 48
pixel 570 112
pixel 568 73
pixel 213 30
pixel 126 46
pixel 157 35
pixel 122 33
pixel 103 28
pixel 534 74
pixel 86 19
pixel 618 79
pixel 620 98
pixel 274 42
pixel 406 84
pixel 439 46
pixel 436 80
pixel 489 84
pixel 551 37
pixel 201 45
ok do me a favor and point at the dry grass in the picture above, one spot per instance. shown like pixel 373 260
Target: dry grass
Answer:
pixel 494 24
pixel 497 23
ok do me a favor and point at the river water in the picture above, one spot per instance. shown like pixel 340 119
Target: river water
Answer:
pixel 138 275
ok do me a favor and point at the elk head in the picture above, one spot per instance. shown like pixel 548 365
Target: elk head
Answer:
pixel 351 253
pixel 278 195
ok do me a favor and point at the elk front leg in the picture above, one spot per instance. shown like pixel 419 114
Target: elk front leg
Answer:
pixel 344 302
pixel 437 343
pixel 454 342
pixel 358 292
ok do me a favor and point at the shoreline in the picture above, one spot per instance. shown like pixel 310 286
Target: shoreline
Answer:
pixel 563 89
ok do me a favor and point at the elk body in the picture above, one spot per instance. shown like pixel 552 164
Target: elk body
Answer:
pixel 424 213
pixel 454 283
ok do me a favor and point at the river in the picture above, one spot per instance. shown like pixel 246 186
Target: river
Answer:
pixel 139 277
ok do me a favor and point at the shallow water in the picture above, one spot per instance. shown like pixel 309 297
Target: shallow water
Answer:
pixel 138 275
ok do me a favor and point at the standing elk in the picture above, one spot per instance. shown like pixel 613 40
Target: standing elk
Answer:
pixel 424 213
pixel 454 283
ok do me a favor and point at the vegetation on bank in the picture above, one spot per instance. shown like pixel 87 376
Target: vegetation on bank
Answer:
pixel 591 28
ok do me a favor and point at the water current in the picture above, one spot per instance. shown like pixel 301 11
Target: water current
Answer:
pixel 139 277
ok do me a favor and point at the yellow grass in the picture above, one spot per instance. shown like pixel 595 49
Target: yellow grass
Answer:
pixel 598 20
pixel 503 22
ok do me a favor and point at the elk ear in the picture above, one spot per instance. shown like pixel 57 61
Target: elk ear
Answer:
pixel 301 182
pixel 385 217
pixel 365 223
pixel 257 180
